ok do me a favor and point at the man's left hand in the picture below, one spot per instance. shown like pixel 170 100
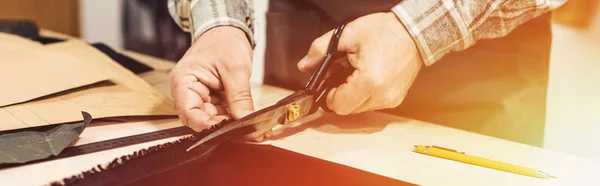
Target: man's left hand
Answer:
pixel 385 58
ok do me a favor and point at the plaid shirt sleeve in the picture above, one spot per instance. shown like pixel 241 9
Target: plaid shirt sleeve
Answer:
pixel 442 26
pixel 198 16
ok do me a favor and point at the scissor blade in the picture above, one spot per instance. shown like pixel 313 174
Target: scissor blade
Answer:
pixel 263 119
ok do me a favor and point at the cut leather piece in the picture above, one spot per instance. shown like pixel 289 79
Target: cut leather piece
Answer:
pixel 228 163
pixel 30 145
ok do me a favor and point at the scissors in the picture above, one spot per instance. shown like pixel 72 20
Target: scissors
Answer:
pixel 296 105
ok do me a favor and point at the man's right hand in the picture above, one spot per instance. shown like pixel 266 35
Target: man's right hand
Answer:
pixel 220 60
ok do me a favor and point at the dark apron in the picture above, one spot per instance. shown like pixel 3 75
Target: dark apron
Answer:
pixel 496 87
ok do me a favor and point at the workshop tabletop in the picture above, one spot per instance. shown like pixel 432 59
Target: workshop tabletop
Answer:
pixel 375 142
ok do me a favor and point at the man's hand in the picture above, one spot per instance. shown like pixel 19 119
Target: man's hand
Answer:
pixel 220 60
pixel 385 57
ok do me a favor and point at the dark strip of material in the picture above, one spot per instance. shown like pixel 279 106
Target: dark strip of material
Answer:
pixel 218 163
pixel 111 144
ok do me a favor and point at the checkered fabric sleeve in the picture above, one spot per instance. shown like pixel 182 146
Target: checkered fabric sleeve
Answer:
pixel 198 16
pixel 439 27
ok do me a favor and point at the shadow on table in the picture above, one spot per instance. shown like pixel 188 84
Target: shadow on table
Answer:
pixel 364 123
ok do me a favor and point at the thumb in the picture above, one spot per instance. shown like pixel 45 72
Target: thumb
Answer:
pixel 316 53
pixel 237 93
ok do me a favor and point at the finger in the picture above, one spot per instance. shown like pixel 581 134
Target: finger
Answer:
pixel 185 98
pixel 221 110
pixel 369 105
pixel 349 96
pixel 218 119
pixel 201 90
pixel 183 119
pixel 181 81
pixel 190 107
pixel 319 47
pixel 206 76
pixel 385 98
pixel 259 138
pixel 237 92
pixel 263 136
pixel 210 109
pixel 316 53
pixel 391 101
pixel 197 119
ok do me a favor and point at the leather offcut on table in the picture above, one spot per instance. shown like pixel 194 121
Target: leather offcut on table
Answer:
pixel 29 145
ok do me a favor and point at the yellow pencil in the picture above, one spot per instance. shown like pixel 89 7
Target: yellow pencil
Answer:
pixel 493 164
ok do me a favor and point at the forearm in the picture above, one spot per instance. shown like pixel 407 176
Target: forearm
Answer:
pixel 440 27
pixel 198 16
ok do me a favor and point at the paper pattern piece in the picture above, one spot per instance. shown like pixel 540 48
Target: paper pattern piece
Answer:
pixel 125 94
pixel 25 70
pixel 25 146
pixel 28 70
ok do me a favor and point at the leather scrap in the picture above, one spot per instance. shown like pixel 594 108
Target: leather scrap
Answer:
pixel 29 145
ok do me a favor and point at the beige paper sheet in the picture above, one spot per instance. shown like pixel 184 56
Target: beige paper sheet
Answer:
pixel 25 74
pixel 124 95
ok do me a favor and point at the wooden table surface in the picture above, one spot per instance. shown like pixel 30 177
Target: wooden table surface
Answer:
pixel 373 141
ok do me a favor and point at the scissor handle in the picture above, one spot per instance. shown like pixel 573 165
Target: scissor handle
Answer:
pixel 317 84
pixel 316 79
pixel 337 78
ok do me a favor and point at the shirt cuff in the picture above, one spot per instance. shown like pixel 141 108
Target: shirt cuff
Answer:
pixel 222 21
pixel 434 33
pixel 205 15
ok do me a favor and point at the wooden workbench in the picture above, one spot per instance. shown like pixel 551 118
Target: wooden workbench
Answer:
pixel 373 141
